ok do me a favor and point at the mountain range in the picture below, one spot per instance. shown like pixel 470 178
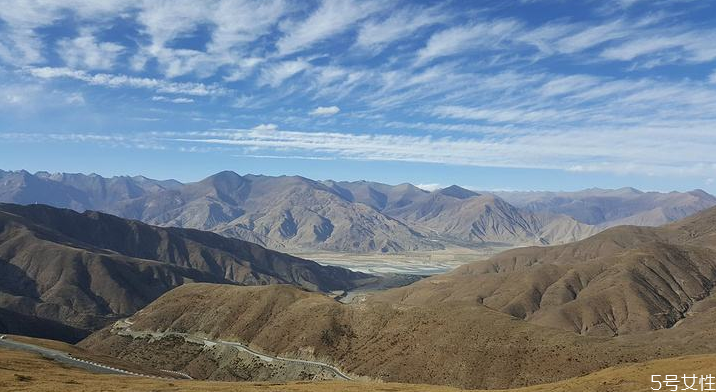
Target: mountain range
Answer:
pixel 526 316
pixel 161 297
pixel 64 274
pixel 613 207
pixel 292 213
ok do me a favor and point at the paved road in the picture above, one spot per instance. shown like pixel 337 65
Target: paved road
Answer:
pixel 269 358
pixel 99 368
pixel 67 359
pixel 123 327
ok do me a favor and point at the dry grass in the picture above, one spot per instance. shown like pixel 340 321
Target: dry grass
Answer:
pixel 20 371
pixel 453 343
pixel 86 355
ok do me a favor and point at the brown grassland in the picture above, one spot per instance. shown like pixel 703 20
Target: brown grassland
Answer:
pixel 20 371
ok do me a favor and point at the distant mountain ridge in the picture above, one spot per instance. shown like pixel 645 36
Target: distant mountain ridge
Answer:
pixel 613 207
pixel 295 213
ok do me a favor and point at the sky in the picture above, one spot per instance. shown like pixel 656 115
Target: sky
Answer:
pixel 510 95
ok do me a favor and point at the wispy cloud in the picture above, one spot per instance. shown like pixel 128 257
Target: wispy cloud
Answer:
pixel 116 81
pixel 325 111
pixel 233 25
pixel 454 83
pixel 85 52
pixel 376 34
pixel 460 39
pixel 161 98
pixel 688 47
pixel 265 127
pixel 20 43
pixel 634 153
pixel 429 187
pixel 276 74
pixel 638 150
pixel 331 18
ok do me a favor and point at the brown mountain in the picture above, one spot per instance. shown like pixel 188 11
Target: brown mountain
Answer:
pixel 82 271
pixel 624 280
pixel 526 316
pixel 451 343
pixel 460 216
pixel 284 213
pixel 296 213
pixel 27 371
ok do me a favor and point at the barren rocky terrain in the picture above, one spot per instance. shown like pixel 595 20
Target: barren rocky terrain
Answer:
pixel 292 213
pixel 624 280
pixel 523 317
pixel 64 274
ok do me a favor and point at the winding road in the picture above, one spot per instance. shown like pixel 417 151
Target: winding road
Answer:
pixel 269 358
pixel 122 328
pixel 68 359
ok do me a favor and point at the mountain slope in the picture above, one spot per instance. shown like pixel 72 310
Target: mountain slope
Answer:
pixel 526 316
pixel 278 212
pixel 84 270
pixel 21 370
pixel 461 216
pixel 624 280
pixel 451 343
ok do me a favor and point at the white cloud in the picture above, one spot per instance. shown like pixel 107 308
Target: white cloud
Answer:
pixel 19 42
pixel 20 47
pixel 19 95
pixel 85 52
pixel 496 115
pixel 459 39
pixel 647 150
pixel 689 47
pixel 115 81
pixel 304 157
pixel 376 34
pixel 568 84
pixel 331 18
pixel 75 99
pixel 429 187
pixel 32 97
pixel 161 98
pixel 634 150
pixel 266 127
pixel 232 25
pixel 275 75
pixel 592 36
pixel 241 69
pixel 325 111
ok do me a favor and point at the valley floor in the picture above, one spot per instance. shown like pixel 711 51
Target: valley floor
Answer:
pixel 409 263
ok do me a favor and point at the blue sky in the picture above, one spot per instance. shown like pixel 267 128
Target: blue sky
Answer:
pixel 531 94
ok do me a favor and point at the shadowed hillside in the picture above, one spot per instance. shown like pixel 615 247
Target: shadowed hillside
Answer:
pixel 86 270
